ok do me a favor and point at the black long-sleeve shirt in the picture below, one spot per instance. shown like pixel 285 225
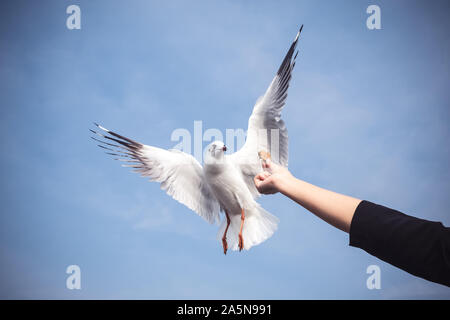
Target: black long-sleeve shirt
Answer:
pixel 417 246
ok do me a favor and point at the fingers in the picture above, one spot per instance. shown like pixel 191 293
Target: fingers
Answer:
pixel 263 183
pixel 268 164
pixel 259 178
pixel 263 175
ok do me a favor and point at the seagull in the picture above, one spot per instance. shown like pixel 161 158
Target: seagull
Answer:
pixel 224 184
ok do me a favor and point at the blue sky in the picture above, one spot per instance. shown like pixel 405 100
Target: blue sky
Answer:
pixel 367 115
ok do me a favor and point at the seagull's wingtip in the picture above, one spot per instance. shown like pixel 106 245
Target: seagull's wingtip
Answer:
pixel 298 33
pixel 100 127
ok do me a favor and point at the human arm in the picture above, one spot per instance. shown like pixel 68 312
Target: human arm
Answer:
pixel 334 208
pixel 417 246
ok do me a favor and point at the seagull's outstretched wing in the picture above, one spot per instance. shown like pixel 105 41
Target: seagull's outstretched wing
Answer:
pixel 266 130
pixel 179 173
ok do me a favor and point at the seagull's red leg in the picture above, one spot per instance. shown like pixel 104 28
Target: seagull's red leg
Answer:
pixel 224 238
pixel 241 240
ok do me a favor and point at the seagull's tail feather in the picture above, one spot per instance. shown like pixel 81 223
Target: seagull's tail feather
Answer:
pixel 259 225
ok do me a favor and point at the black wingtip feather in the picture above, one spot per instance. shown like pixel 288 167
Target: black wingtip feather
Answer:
pixel 288 58
pixel 118 136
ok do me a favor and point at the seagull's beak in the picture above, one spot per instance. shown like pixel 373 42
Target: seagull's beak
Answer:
pixel 224 148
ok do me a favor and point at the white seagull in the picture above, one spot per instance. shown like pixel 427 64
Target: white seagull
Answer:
pixel 225 182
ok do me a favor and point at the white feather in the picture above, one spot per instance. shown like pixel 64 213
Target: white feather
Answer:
pixel 181 176
pixel 225 182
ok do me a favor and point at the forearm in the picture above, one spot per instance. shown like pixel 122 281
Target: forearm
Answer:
pixel 334 208
pixel 415 245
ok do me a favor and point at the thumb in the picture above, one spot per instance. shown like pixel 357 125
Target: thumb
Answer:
pixel 269 164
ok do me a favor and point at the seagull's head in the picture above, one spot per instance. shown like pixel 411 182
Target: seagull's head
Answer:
pixel 216 150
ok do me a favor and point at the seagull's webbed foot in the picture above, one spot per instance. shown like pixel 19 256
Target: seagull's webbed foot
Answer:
pixel 241 242
pixel 224 245
pixel 224 238
pixel 241 239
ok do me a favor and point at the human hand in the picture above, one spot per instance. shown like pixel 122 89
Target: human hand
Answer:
pixel 271 181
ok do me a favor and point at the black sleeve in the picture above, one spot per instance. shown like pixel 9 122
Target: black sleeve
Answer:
pixel 417 246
